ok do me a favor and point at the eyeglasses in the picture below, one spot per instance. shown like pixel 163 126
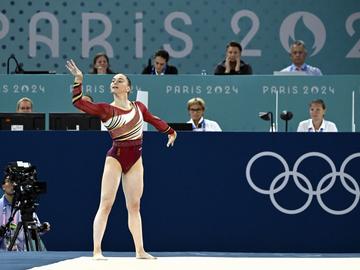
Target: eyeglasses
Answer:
pixel 195 109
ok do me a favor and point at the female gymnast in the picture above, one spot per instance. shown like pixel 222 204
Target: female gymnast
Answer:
pixel 124 121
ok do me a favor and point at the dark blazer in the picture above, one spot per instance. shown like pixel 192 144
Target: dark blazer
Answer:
pixel 245 69
pixel 168 70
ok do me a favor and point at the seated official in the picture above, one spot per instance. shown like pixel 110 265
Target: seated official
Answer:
pixel 160 65
pixel 298 55
pixel 232 64
pixel 196 108
pixel 24 105
pixel 317 123
pixel 6 234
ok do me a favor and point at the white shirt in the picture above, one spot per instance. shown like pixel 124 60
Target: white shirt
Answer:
pixel 205 125
pixel 307 69
pixel 307 126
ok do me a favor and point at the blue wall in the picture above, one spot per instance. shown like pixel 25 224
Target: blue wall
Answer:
pixel 197 196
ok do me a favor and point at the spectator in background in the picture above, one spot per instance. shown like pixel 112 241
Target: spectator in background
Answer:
pixel 24 105
pixel 160 65
pixel 298 55
pixel 233 65
pixel 101 64
pixel 317 123
pixel 196 108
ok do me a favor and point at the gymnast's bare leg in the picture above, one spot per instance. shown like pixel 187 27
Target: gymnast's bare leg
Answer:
pixel 133 188
pixel 109 186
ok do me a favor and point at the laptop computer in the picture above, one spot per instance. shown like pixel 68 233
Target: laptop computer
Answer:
pixel 181 126
pixel 289 73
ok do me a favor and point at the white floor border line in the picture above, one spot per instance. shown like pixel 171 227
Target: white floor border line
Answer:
pixel 205 263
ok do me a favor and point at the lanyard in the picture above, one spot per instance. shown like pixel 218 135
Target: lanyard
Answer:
pixel 202 125
pixel 4 214
pixel 5 219
pixel 154 72
pixel 311 129
pixel 302 68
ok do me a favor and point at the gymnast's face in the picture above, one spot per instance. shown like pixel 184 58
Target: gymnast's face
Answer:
pixel 119 84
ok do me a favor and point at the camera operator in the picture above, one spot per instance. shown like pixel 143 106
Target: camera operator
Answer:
pixel 6 211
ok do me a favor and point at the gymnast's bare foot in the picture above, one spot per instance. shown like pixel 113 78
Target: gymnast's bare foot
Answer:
pixel 99 257
pixel 144 255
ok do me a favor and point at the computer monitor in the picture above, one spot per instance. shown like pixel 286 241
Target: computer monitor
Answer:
pixel 181 126
pixel 22 121
pixel 73 121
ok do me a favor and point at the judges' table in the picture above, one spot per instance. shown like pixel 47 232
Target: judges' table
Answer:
pixel 233 101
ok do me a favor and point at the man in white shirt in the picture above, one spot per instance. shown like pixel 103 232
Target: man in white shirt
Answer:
pixel 317 123
pixel 196 108
pixel 6 209
pixel 298 55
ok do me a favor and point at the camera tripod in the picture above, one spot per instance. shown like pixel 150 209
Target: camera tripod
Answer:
pixel 30 228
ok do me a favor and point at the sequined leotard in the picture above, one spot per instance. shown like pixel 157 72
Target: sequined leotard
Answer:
pixel 124 126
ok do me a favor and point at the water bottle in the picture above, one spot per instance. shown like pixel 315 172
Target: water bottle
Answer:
pixel 203 72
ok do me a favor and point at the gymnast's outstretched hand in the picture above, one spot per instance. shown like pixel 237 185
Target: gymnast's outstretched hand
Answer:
pixel 171 140
pixel 74 70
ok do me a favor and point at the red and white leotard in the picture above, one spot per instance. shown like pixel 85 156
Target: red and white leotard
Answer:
pixel 125 126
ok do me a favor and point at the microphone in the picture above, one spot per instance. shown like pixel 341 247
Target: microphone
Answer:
pixel 18 69
pixel 268 116
pixel 286 116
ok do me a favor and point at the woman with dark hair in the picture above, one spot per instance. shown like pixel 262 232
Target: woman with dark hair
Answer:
pixel 232 64
pixel 124 121
pixel 101 64
pixel 160 65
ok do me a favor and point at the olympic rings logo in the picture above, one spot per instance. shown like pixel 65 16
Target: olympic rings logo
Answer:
pixel 309 190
